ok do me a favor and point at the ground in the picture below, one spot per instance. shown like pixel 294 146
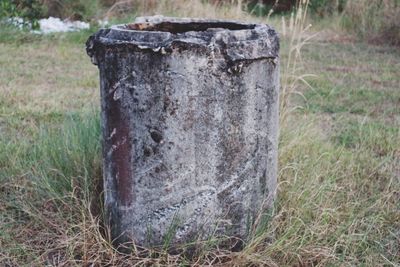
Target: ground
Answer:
pixel 339 157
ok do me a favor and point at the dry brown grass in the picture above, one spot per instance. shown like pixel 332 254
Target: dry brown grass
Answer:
pixel 296 32
pixel 376 20
pixel 181 8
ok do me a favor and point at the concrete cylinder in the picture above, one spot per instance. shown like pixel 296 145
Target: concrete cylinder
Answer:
pixel 190 127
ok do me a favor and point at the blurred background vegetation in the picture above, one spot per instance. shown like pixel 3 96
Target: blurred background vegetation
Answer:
pixel 370 19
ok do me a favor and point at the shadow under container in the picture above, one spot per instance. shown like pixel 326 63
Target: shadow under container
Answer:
pixel 189 111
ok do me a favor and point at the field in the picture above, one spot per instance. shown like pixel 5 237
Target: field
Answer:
pixel 339 160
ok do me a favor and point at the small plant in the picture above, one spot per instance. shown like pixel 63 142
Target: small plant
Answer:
pixel 30 11
pixel 7 9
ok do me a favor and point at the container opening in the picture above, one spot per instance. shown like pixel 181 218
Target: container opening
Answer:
pixel 181 27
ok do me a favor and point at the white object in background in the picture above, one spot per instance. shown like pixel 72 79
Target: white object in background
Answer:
pixel 17 21
pixel 52 24
pixel 103 23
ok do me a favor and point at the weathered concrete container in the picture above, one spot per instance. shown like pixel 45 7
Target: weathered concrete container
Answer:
pixel 190 124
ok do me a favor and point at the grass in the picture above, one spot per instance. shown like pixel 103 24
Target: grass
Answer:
pixel 363 84
pixel 339 156
pixel 375 20
pixel 60 166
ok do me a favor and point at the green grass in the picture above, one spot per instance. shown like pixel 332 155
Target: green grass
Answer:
pixel 372 135
pixel 341 201
pixel 339 156
pixel 355 78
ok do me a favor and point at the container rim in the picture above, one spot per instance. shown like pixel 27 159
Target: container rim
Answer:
pixel 235 41
pixel 183 25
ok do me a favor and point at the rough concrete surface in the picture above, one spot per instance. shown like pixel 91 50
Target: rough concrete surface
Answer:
pixel 190 124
